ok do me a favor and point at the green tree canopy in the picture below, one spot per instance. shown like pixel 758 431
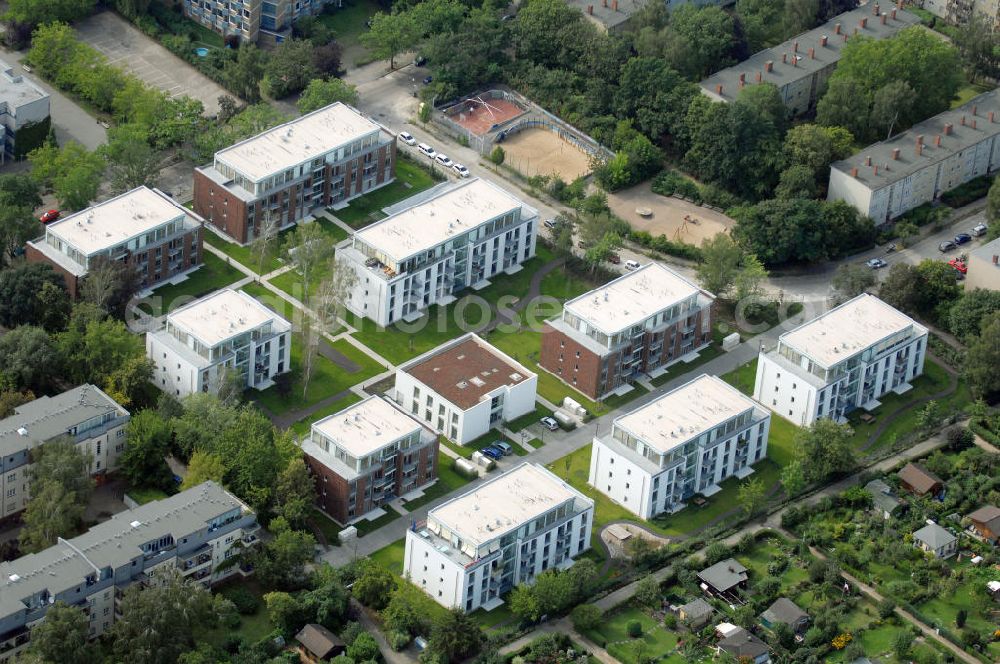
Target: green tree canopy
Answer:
pixel 289 69
pixel 63 636
pixel 20 287
pixel 323 92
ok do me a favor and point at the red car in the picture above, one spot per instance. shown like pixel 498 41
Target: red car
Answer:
pixel 958 265
pixel 49 216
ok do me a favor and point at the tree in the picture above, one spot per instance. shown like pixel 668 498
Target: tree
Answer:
pixel 294 493
pixel 281 562
pixel 892 103
pixel 598 253
pixel 159 622
pixel 289 69
pixel 203 466
pixel 901 288
pixel 454 636
pixel 653 95
pixel 720 262
pixel 497 156
pixel 816 147
pixel 982 360
pixel 824 449
pixel 993 207
pixel 321 93
pixel 30 358
pixel 389 35
pixel 73 173
pixel 63 636
pixel 327 58
pixel 845 105
pixel 20 287
pixel 307 248
pixel 748 286
pixel 94 350
pixel 793 479
pixel 851 280
pixel 364 648
pixel 373 585
pixel 905 232
pixel 537 33
pixel 750 495
pixel 51 513
pixel 648 593
pixel 18 199
pixel 110 285
pixel 966 315
pixel 131 160
pixel 700 40
pixel 61 462
pixel 56 307
pixel 975 41
pixel 144 461
pixel 524 604
pixel 34 12
pixel 586 617
pixel 796 182
pixel 243 74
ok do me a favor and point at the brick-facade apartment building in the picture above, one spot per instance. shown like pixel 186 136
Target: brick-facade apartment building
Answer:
pixel 889 178
pixel 86 415
pixel 143 228
pixel 24 109
pixel 683 443
pixel 251 20
pixel 275 179
pixel 366 456
pixel 800 67
pixel 639 323
pixel 225 331
pixel 841 360
pixel 464 388
pixel 194 531
pixel 434 245
pixel 474 548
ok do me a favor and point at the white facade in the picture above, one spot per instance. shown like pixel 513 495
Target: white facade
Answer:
pixel 227 330
pixel 22 103
pixel 464 388
pixel 889 178
pixel 842 360
pixel 476 547
pixel 685 442
pixel 456 237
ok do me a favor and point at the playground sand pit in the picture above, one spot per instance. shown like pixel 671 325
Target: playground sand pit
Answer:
pixel 679 220
pixel 541 152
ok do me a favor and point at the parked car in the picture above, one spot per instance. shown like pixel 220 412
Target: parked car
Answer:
pixel 49 216
pixel 419 61
pixel 460 170
pixel 614 258
pixel 427 150
pixel 550 423
pixel 876 263
pixel 891 247
pixel 492 453
pixel 631 265
pixel 550 223
pixel 946 246
pixel 407 138
pixel 504 447
pixel 959 265
pixel 444 160
pixel 428 80
pixel 980 229
pixel 962 238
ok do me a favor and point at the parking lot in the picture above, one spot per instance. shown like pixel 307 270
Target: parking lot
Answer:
pixel 134 52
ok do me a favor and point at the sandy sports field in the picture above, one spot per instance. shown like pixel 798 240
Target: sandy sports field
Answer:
pixel 541 152
pixel 668 216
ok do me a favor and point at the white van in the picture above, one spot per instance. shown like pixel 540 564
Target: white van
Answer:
pixel 427 150
pixel 632 265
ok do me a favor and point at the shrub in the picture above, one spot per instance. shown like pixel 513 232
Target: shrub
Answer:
pixel 886 608
pixel 634 629
pixel 670 621
pixel 586 617
pixel 398 640
pixel 246 602
pixel 498 155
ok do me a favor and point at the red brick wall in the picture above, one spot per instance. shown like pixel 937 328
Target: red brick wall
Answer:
pixel 210 201
pixel 586 369
pixel 35 256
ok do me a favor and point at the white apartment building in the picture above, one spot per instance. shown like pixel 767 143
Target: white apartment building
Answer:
pixel 685 442
pixel 194 531
pixel 465 387
pixel 478 546
pixel 22 105
pixel 142 227
pixel 89 417
pixel 889 178
pixel 843 359
pixel 225 331
pixel 959 12
pixel 454 237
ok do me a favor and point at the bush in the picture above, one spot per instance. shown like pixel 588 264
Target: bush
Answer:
pixel 586 617
pixel 670 621
pixel 245 601
pixel 886 608
pixel 671 182
pixel 967 193
pixel 924 215
pixel 398 640
pixel 634 629
pixel 498 155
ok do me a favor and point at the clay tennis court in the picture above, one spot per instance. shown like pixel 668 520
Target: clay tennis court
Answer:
pixel 673 217
pixel 541 152
pixel 479 115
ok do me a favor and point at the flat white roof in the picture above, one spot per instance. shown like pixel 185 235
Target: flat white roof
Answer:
pixel 848 329
pixel 292 143
pixel 686 412
pixel 632 298
pixel 367 426
pixel 222 315
pixel 503 504
pixel 448 215
pixel 115 221
pixel 16 89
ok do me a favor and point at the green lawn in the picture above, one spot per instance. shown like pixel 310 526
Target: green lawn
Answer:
pixel 210 277
pixel 246 255
pixel 707 354
pixel 528 419
pixel 252 627
pixel 303 426
pixel 448 480
pixel 485 440
pixel 325 525
pixel 327 378
pixel 257 290
pixel 348 22
pixel 410 179
pixel 366 527
pixel 143 495
pixel 967 93
pixel 391 556
pixel 488 619
pixel 655 642
pixel 291 281
pixel 742 378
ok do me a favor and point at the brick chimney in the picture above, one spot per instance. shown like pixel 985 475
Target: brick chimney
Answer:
pixel 893 14
pixel 784 58
pixel 920 139
pixel 863 23
pixel 718 89
pixel 760 76
pixel 769 66
pixel 743 80
pixel 975 108
pixel 991 117
pixel 947 129
pixel 836 29
pixel 614 4
pixel 795 47
pixel 876 10
pixel 590 9
pixel 822 40
pixel 920 149
pixel 973 123
pixel 868 161
pixel 812 53
pixel 895 154
pixel 854 172
pixel 937 141
pixel 963 121
pixel 876 169
pixel 882 19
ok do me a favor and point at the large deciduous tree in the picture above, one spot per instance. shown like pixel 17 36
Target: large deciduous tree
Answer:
pixel 63 636
pixel 72 172
pixel 852 279
pixel 390 35
pixel 20 287
pixel 824 449
pixel 320 93
pixel 454 636
pixel 289 69
pixel 131 160
pixel 982 360
pixel 34 12
pixel 30 358
pixel 144 461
